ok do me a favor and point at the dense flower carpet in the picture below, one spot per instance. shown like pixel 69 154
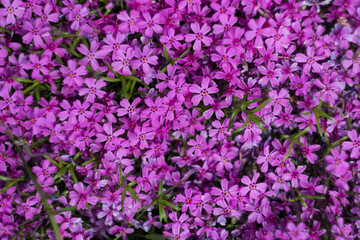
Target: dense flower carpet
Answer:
pixel 179 119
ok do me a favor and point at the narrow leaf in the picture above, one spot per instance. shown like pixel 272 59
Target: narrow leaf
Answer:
pixel 261 106
pixel 166 54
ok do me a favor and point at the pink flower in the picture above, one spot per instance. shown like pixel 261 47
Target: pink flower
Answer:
pixel 203 92
pixel 92 54
pixel 254 188
pixel 257 31
pixel 310 60
pixel 199 35
pixel 353 145
pixel 11 10
pixel 81 196
pixel 295 174
pixel 36 30
pixel 114 45
pixel 189 200
pixel 144 59
pixel 258 210
pixel 93 89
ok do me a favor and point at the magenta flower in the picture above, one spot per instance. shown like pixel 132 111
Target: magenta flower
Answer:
pixel 37 65
pixel 268 157
pixel 308 150
pixel 310 60
pixel 45 171
pixel 199 36
pixel 224 160
pixel 36 30
pixel 352 60
pixel 73 74
pixel 203 92
pixel 81 196
pixel 298 232
pixel 279 182
pixel 337 162
pixel 46 15
pixel 189 200
pixel 258 210
pixel 151 23
pixel 295 174
pixel 11 10
pixel 353 145
pixel 92 54
pixel 144 59
pixel 114 45
pixel 342 231
pixel 171 40
pixel 220 131
pixel 27 208
pixel 129 22
pixel 93 89
pixel 124 63
pixel 226 192
pixel 254 188
pixel 257 31
pixel 271 74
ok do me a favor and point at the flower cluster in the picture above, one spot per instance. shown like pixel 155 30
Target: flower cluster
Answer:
pixel 180 119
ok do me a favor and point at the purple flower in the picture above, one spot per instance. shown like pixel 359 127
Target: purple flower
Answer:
pixel 144 59
pixel 259 210
pixel 189 200
pixel 203 92
pixel 11 10
pixel 353 145
pixel 199 36
pixel 295 174
pixel 310 60
pixel 81 196
pixel 257 31
pixel 92 54
pixel 337 162
pixel 254 188
pixel 36 30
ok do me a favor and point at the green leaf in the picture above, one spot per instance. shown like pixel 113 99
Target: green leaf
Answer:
pixel 339 141
pixel 302 201
pixel 160 187
pixel 289 151
pixel 22 80
pixel 106 79
pixel 261 106
pixel 52 161
pixel 242 126
pixel 123 195
pixel 318 126
pixel 298 135
pixel 289 200
pixel 323 114
pixel 166 54
pixel 133 194
pixel 60 173
pixel 162 213
pixel 313 197
pixel 233 116
pixel 7 179
pixel 184 53
pixel 173 206
pixel 257 120
pixel 67 209
pixel 73 175
pixel 154 236
pixel 30 88
pixel 77 156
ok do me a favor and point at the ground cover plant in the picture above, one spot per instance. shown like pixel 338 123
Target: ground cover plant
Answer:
pixel 179 119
